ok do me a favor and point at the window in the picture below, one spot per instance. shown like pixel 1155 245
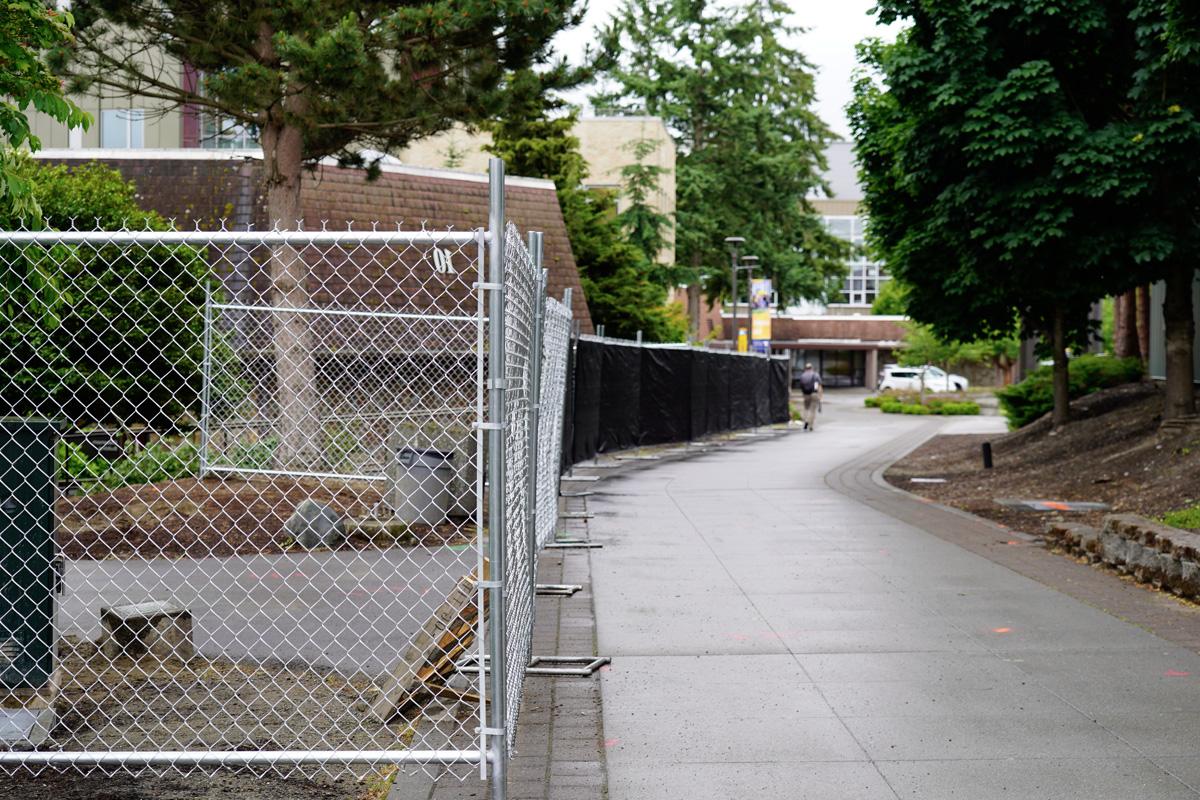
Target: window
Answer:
pixel 123 128
pixel 866 277
pixel 218 133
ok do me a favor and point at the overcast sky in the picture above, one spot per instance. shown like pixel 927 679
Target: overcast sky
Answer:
pixel 834 27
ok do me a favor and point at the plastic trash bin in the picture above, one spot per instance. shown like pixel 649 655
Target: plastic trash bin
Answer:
pixel 421 486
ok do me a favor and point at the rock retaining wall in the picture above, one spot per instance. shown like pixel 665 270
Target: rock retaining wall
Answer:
pixel 1153 553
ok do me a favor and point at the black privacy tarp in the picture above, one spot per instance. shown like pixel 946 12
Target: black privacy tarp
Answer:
pixel 666 400
pixel 741 392
pixel 588 389
pixel 779 389
pixel 717 391
pixel 762 391
pixel 699 394
pixel 621 396
pixel 620 403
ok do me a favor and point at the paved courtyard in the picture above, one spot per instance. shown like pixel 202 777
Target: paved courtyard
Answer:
pixel 773 637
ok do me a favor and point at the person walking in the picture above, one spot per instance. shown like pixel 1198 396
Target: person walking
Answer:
pixel 814 391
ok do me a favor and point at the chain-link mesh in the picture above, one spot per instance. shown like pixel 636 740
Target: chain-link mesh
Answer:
pixel 240 496
pixel 556 339
pixel 521 282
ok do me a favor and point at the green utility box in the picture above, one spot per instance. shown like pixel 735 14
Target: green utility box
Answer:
pixel 27 574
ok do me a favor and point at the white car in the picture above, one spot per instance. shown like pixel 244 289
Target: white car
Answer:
pixel 908 379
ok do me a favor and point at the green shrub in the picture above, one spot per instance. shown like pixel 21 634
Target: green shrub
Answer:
pixel 1028 400
pixel 958 409
pixel 873 402
pixel 892 407
pixel 1184 517
pixel 150 464
pixel 917 410
pixel 99 334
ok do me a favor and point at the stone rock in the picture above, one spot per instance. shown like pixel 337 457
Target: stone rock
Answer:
pixel 1189 578
pixel 1170 572
pixel 1114 548
pixel 315 524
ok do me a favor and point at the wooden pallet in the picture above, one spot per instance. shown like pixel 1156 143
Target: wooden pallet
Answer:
pixel 429 661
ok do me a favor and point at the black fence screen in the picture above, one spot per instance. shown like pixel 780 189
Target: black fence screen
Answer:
pixel 621 395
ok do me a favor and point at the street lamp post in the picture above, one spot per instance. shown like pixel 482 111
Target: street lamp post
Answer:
pixel 748 264
pixel 734 243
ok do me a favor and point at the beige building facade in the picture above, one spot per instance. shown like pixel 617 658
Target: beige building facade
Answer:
pixel 606 143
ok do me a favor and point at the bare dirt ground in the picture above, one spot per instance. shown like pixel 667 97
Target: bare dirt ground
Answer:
pixel 1112 452
pixel 201 704
pixel 199 518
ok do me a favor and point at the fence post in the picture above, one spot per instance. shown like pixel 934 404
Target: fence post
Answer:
pixel 496 734
pixel 535 403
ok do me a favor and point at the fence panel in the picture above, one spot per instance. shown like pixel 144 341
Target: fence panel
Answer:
pixel 556 342
pixel 261 484
pixel 666 396
pixel 620 407
pixel 522 290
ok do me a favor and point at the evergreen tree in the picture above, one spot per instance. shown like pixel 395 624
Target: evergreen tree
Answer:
pixel 749 147
pixel 535 140
pixel 314 80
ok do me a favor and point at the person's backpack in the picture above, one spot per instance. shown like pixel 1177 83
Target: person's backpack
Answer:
pixel 808 382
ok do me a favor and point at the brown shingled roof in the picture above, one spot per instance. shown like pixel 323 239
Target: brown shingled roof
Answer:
pixel 206 191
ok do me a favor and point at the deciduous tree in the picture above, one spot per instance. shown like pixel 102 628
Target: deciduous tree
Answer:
pixel 992 139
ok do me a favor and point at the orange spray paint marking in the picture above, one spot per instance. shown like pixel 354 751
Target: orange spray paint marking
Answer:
pixel 1001 630
pixel 1176 673
pixel 1054 505
pixel 611 742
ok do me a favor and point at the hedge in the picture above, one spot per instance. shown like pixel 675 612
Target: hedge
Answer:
pixel 1033 397
pixel 99 334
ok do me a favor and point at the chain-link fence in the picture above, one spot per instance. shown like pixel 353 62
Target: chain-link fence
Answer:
pixel 240 520
pixel 244 495
pixel 556 343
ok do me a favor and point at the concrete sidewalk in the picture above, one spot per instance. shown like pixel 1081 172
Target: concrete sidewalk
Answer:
pixel 774 638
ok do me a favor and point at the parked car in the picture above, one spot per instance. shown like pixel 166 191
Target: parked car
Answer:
pixel 908 379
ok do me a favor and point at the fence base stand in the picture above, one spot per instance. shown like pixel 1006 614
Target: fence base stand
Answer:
pixel 575 515
pixel 557 589
pixel 637 458
pixel 564 544
pixel 575 494
pixel 469 665
pixel 580 477
pixel 587 666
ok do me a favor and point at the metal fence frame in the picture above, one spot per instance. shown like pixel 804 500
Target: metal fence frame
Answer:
pixel 516 460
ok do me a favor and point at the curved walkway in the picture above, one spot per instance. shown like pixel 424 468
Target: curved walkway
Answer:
pixel 784 627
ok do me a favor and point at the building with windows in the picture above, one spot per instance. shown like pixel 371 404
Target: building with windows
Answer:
pixel 843 340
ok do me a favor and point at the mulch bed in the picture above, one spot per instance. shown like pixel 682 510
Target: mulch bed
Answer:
pixel 215 517
pixel 1111 452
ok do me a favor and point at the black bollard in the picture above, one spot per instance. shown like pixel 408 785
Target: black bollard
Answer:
pixel 987 455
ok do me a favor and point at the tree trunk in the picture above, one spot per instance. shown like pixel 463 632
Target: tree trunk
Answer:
pixel 1143 321
pixel 1125 330
pixel 1062 375
pixel 1180 321
pixel 298 425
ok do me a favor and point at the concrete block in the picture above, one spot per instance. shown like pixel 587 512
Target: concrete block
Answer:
pixel 162 629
